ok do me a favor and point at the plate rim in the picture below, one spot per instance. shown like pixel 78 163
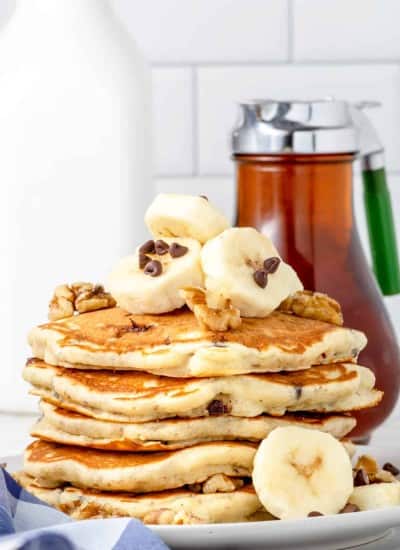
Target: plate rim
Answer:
pixel 378 520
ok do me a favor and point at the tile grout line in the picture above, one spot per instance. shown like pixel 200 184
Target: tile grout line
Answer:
pixel 290 31
pixel 274 63
pixel 195 122
pixel 174 176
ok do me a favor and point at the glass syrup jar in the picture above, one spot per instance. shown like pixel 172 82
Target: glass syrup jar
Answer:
pixel 294 174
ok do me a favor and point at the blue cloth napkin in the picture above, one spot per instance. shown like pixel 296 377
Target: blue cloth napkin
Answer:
pixel 27 523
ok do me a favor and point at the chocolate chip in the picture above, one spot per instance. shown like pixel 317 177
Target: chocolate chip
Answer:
pixel 143 260
pixel 349 508
pixel 217 407
pixel 299 391
pixel 271 264
pixel 161 247
pixel 147 247
pixel 153 268
pixel 261 277
pixel 388 467
pixel 314 514
pixel 204 197
pixel 177 250
pixel 361 478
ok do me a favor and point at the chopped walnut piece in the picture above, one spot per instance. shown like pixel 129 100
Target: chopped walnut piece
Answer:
pixel 185 518
pixel 220 483
pixel 165 516
pixel 90 297
pixel 80 286
pixel 90 510
pixel 374 473
pixel 62 303
pixel 80 297
pixel 313 305
pixel 368 464
pixel 219 320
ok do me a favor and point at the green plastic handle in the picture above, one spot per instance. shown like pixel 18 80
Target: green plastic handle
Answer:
pixel 381 231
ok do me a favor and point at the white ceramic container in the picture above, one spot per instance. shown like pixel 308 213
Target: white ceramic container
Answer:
pixel 74 160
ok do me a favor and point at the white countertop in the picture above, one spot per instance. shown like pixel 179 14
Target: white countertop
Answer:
pixel 14 431
pixel 15 428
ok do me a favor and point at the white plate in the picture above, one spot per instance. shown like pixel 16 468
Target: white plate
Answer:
pixel 328 532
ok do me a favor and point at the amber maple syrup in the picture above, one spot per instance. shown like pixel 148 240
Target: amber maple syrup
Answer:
pixel 304 203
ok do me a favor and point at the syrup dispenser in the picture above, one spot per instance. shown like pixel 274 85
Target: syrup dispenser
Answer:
pixel 294 170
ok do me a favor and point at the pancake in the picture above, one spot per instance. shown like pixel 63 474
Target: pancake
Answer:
pixel 173 507
pixel 63 426
pixel 52 464
pixel 173 344
pixel 142 397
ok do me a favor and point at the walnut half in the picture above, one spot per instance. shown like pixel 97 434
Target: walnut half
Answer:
pixel 62 303
pixel 78 297
pixel 217 483
pixel 313 305
pixel 220 483
pixel 166 516
pixel 218 320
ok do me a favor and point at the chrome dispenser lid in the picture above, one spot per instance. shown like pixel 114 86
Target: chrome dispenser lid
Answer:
pixel 306 127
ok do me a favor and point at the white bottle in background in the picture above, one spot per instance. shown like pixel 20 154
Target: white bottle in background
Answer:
pixel 74 161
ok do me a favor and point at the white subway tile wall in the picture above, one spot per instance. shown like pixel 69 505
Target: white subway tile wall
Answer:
pixel 209 54
pixel 173 120
pixel 202 31
pixel 219 88
pixel 346 30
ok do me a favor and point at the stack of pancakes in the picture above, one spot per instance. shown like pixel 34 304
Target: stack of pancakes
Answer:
pixel 153 417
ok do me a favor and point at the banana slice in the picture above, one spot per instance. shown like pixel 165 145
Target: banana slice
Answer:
pixel 376 495
pixel 298 471
pixel 150 280
pixel 243 266
pixel 184 216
